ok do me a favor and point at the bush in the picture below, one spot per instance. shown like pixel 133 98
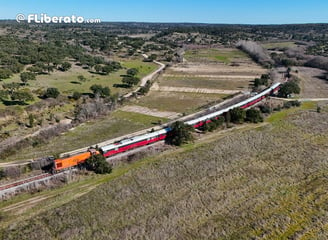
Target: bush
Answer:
pixel 254 116
pixel 265 109
pixel 290 104
pixel 289 88
pixel 180 134
pixel 76 95
pixel 132 71
pixel 213 124
pixel 98 164
pixel 99 90
pixel 51 93
pixel 65 66
pixel 237 115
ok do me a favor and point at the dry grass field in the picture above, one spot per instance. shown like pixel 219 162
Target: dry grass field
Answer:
pixel 178 102
pixel 312 84
pixel 228 69
pixel 270 182
pixel 207 75
pixel 90 133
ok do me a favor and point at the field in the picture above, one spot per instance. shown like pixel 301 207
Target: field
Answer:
pixel 207 75
pixel 217 55
pixel 273 45
pixel 266 181
pixel 90 133
pixel 16 126
pixel 177 102
pixel 312 84
pixel 67 82
pixel 223 69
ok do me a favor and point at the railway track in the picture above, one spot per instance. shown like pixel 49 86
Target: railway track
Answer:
pixel 24 181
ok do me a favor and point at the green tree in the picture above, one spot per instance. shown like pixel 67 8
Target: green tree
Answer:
pixel 22 96
pixel 227 117
pixel 130 81
pixel 5 73
pixel 65 66
pixel 51 93
pixel 180 134
pixel 289 88
pixel 105 92
pixel 35 69
pixel 26 76
pixel 98 68
pixel 237 115
pixel 99 90
pixel 107 69
pixel 3 94
pixel 318 109
pixel 132 71
pixel 152 57
pixel 11 87
pixel 253 115
pixel 98 164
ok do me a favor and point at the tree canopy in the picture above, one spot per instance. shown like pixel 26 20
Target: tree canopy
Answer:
pixel 180 134
pixel 98 164
pixel 51 93
pixel 288 88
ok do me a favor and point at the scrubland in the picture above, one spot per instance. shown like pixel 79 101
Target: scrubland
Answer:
pixel 268 182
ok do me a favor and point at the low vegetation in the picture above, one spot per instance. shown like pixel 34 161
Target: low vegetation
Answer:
pixel 180 134
pixel 98 164
pixel 268 183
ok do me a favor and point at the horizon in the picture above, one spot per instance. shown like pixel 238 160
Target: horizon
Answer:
pixel 200 23
pixel 238 12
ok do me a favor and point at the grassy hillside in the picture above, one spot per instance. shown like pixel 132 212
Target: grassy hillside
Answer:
pixel 267 183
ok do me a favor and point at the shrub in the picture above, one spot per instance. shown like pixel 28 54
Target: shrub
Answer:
pixel 180 134
pixel 289 88
pixel 51 93
pixel 98 164
pixel 254 116
pixel 76 95
pixel 237 115
pixel 265 109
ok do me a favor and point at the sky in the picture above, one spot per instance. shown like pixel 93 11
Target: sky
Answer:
pixel 195 11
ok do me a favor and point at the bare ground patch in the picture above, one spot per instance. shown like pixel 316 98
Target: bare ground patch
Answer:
pixel 156 87
pixel 151 112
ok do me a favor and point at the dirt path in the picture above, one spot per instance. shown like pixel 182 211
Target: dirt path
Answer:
pixel 146 78
pixel 151 112
pixel 156 87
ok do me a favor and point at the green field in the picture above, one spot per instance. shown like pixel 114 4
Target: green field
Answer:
pixel 220 55
pixel 178 102
pixel 67 82
pixel 90 133
pixel 262 183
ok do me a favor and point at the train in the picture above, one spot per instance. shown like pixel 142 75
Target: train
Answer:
pixel 155 136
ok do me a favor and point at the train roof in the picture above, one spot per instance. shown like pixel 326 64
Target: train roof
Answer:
pixel 217 113
pixel 139 138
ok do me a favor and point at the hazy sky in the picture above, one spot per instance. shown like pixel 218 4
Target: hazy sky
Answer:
pixel 204 11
